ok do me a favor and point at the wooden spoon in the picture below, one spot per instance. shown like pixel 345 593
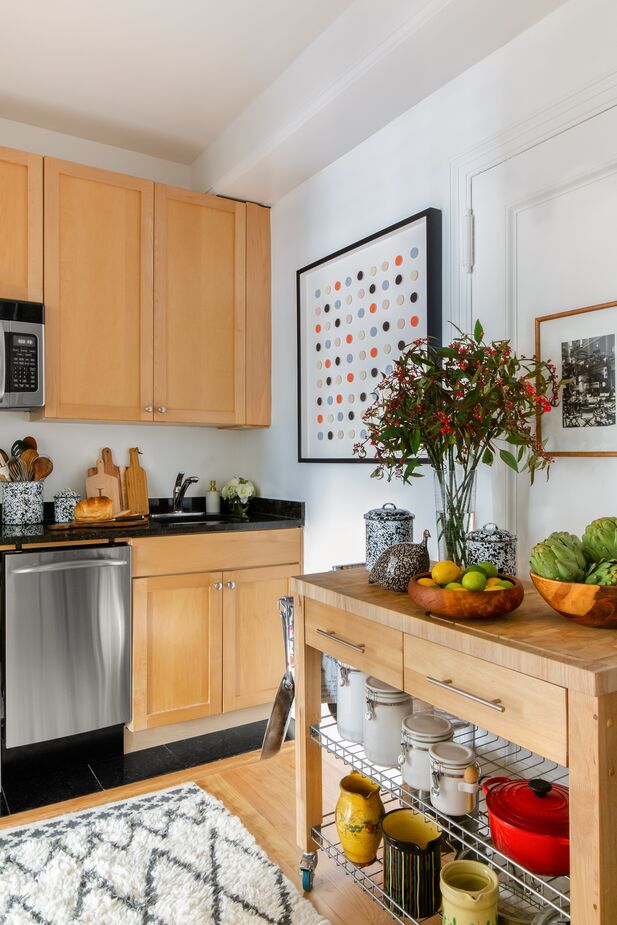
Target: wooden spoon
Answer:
pixel 14 469
pixel 41 468
pixel 27 460
pixel 30 442
pixel 4 456
pixel 471 777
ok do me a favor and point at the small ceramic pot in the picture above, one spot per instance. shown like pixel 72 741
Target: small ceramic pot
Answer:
pixel 411 862
pixel 397 565
pixel 490 544
pixel 359 813
pixel 450 791
pixel 386 526
pixel 350 703
pixel 470 893
pixel 64 505
pixel 22 503
pixel 385 708
pixel 418 733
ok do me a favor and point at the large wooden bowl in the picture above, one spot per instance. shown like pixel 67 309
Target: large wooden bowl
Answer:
pixel 466 605
pixel 590 605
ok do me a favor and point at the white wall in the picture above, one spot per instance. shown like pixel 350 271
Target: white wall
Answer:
pixel 402 169
pixel 205 452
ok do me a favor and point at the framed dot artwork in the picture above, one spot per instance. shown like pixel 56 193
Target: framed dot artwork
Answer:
pixel 357 310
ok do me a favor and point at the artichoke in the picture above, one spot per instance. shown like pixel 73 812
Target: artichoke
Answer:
pixel 604 573
pixel 600 539
pixel 559 559
pixel 569 539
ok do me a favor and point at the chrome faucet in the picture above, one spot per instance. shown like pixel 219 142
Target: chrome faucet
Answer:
pixel 180 487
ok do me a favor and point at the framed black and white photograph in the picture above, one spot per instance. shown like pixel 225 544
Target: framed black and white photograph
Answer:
pixel 357 310
pixel 582 344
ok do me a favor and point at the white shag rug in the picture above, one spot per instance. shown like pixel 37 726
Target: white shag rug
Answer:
pixel 175 857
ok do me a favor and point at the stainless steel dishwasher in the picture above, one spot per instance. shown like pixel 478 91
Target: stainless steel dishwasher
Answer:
pixel 67 633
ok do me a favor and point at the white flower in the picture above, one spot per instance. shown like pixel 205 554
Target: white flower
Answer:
pixel 238 487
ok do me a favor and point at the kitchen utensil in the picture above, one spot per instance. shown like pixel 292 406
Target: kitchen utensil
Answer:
pixel 386 526
pixel 385 708
pixel 123 498
pixel 136 484
pixel 22 502
pixel 359 812
pixel 470 893
pixel 449 789
pixel 14 469
pixel 471 777
pixel 4 456
pixel 64 505
pixel 18 447
pixel 350 703
pixel 418 732
pixel 411 860
pixel 30 442
pixel 108 463
pixel 589 605
pixel 24 470
pixel 397 565
pixel 529 823
pixel 276 729
pixel 106 485
pixel 490 544
pixel 466 605
pixel 26 460
pixel 41 468
pixel 118 523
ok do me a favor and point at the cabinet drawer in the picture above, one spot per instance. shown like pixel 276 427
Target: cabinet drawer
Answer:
pixel 368 646
pixel 529 712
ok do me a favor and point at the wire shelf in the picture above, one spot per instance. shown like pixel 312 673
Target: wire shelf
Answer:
pixel 472 833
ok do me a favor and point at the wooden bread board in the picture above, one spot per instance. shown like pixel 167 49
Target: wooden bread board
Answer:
pixel 136 484
pixel 121 524
pixel 105 485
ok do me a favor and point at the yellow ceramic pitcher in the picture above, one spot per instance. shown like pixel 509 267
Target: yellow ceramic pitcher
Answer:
pixel 359 812
pixel 470 893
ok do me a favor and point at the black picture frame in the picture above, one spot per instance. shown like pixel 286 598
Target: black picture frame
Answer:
pixel 433 271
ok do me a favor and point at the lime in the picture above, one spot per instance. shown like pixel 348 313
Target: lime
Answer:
pixel 445 572
pixel 489 568
pixel 506 584
pixel 427 583
pixel 474 581
pixel 454 586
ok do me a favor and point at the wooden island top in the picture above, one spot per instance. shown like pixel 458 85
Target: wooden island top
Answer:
pixel 534 640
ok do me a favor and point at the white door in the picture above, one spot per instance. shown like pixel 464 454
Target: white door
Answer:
pixel 546 241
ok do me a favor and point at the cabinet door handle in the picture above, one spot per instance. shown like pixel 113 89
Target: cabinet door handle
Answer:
pixel 356 646
pixel 148 409
pixel 231 585
pixel 449 686
pixel 218 585
pixel 162 409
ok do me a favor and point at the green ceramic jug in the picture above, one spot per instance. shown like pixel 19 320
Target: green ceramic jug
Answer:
pixel 470 894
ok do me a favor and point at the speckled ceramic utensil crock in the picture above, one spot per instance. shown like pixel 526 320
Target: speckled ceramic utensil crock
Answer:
pixel 22 503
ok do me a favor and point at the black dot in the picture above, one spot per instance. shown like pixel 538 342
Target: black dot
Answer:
pixel 329 381
pixel 386 325
pixel 374 372
pixel 337 361
pixel 337 323
pixel 326 307
pixel 401 345
pixel 317 346
pixel 371 288
pixel 414 296
pixel 362 396
pixel 360 274
pixel 398 279
pixel 330 435
pixel 351 415
pixel 319 401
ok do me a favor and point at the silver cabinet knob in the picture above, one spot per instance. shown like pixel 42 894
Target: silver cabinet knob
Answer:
pixel 231 585
pixel 161 409
pixel 148 409
pixel 218 585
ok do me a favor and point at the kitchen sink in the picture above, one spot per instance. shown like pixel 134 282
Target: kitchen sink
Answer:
pixel 189 517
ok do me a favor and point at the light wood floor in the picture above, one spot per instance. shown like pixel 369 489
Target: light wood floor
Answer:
pixel 262 794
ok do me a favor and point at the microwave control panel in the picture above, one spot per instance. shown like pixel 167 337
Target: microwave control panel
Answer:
pixel 23 373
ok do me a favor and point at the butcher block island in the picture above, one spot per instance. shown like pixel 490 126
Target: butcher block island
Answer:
pixel 538 697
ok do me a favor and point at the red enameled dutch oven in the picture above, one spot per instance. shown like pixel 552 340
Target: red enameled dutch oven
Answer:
pixel 530 823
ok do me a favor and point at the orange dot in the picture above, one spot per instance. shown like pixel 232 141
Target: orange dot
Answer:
pixel 373 308
pixel 328 364
pixel 317 328
pixel 373 351
pixel 398 260
pixel 349 377
pixel 339 399
pixel 320 418
pixel 349 338
pixel 414 321
pixel 337 285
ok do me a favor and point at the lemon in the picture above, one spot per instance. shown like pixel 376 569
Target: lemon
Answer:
pixel 493 588
pixel 493 583
pixel 445 572
pixel 474 581
pixel 454 586
pixel 427 583
pixel 489 568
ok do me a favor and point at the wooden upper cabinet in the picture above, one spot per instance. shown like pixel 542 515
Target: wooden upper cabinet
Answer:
pixel 21 225
pixel 98 294
pixel 199 308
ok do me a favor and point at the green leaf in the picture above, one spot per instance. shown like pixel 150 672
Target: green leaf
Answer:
pixel 414 443
pixel 509 459
pixel 487 457
pixel 478 331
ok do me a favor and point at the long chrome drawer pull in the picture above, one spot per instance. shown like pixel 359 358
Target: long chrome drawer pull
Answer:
pixel 67 566
pixel 356 646
pixel 448 686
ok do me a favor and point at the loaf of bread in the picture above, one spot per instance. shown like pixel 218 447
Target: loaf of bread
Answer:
pixel 99 508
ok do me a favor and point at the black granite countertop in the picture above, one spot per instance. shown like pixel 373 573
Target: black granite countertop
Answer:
pixel 263 514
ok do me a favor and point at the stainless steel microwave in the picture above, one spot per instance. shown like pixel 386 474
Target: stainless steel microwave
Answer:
pixel 22 377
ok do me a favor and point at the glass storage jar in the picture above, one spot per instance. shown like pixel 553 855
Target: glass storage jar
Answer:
pixel 350 703
pixel 385 708
pixel 418 732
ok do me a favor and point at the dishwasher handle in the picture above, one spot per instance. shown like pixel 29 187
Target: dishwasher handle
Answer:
pixel 65 566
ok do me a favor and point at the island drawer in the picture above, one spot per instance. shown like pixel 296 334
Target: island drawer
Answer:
pixel 530 712
pixel 368 646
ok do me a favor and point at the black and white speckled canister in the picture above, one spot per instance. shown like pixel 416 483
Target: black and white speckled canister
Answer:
pixel 22 503
pixel 386 526
pixel 64 505
pixel 491 544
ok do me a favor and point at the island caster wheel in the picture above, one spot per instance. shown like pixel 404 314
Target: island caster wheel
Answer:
pixel 307 870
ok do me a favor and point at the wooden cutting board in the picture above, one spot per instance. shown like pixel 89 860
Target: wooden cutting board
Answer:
pixel 106 485
pixel 120 524
pixel 136 483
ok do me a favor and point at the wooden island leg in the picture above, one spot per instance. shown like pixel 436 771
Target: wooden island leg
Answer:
pixel 309 810
pixel 593 808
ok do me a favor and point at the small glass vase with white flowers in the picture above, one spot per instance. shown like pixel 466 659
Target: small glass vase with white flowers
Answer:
pixel 237 493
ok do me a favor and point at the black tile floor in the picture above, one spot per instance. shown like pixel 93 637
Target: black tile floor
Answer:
pixel 46 784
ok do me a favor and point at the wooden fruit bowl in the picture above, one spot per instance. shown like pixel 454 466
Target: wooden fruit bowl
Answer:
pixel 589 605
pixel 466 605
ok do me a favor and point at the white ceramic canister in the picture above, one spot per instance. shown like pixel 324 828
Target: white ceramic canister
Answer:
pixel 419 731
pixel 350 703
pixel 385 708
pixel 449 790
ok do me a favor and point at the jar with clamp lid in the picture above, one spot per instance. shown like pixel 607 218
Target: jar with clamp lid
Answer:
pixel 350 703
pixel 385 708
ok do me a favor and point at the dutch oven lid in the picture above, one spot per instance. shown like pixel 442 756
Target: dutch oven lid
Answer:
pixel 533 805
pixel 427 727
pixel 491 533
pixel 389 511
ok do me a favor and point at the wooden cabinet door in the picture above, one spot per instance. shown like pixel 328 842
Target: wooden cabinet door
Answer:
pixel 177 648
pixel 98 294
pixel 199 308
pixel 253 657
pixel 21 225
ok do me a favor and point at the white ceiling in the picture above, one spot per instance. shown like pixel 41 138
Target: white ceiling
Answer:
pixel 163 77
